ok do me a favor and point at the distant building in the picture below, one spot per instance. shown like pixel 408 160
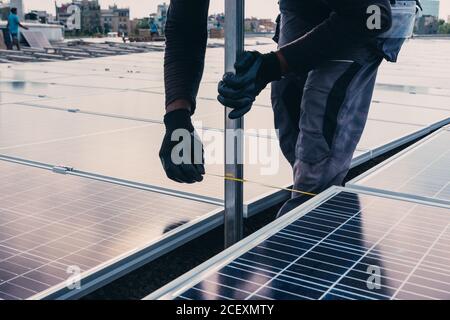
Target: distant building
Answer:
pixel 216 21
pixel 116 19
pixel 259 25
pixel 430 7
pixel 90 15
pixel 216 24
pixel 134 25
pixel 39 15
pixel 5 8
pixel 19 5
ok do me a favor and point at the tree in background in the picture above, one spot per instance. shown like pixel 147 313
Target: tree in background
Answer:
pixel 444 27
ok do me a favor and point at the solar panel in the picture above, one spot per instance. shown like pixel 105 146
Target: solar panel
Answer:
pixel 105 82
pixel 381 136
pixel 132 154
pixel 49 90
pixel 410 99
pixel 409 115
pixel 12 74
pixel 36 39
pixel 420 171
pixel 343 245
pixel 80 93
pixel 52 223
pixel 131 104
pixel 413 89
pixel 59 140
pixel 6 97
pixel 146 106
pixel 2 41
pixel 22 126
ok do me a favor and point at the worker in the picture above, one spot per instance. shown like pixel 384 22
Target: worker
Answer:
pixel 13 27
pixel 153 29
pixel 322 76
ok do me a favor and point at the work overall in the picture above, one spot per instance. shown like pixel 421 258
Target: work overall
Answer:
pixel 321 115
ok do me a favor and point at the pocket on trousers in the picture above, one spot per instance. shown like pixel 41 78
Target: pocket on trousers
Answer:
pixel 312 147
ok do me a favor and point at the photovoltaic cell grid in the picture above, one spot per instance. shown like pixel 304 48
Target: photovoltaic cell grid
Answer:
pixel 330 253
pixel 422 171
pixel 50 222
pixel 333 252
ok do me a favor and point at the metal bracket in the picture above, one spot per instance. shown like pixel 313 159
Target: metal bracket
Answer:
pixel 62 170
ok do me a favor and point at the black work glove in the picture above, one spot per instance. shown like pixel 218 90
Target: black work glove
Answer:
pixel 254 71
pixel 182 159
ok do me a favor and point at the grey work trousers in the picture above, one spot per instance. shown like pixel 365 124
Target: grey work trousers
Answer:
pixel 320 116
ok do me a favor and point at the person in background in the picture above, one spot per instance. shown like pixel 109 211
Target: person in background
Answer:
pixel 153 29
pixel 13 27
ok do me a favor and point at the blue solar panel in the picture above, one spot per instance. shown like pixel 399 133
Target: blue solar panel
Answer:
pixel 348 245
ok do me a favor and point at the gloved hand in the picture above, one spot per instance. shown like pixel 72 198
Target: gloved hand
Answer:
pixel 182 159
pixel 254 71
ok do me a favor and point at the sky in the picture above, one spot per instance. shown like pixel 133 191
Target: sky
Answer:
pixel 140 8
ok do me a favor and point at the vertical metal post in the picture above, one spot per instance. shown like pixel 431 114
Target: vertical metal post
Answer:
pixel 234 138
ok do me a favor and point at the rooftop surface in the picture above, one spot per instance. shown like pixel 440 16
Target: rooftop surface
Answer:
pixel 99 122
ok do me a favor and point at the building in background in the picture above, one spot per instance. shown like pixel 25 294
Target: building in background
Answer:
pixel 89 16
pixel 20 9
pixel 116 19
pixel 430 7
pixel 256 25
pixel 4 10
pixel 216 24
pixel 40 16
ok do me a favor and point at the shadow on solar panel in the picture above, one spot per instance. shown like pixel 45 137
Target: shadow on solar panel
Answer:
pixel 344 245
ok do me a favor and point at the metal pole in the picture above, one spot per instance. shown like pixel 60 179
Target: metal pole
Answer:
pixel 234 143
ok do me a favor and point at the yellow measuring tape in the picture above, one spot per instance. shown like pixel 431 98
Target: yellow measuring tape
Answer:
pixel 231 178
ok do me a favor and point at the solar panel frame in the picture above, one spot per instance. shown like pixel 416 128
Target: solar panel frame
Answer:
pixel 180 285
pixel 356 182
pixel 122 182
pixel 107 272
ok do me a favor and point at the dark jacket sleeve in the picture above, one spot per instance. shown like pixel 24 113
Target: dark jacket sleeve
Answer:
pixel 186 39
pixel 346 26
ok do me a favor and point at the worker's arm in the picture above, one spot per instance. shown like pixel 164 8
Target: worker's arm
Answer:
pixel 22 26
pixel 186 38
pixel 347 26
